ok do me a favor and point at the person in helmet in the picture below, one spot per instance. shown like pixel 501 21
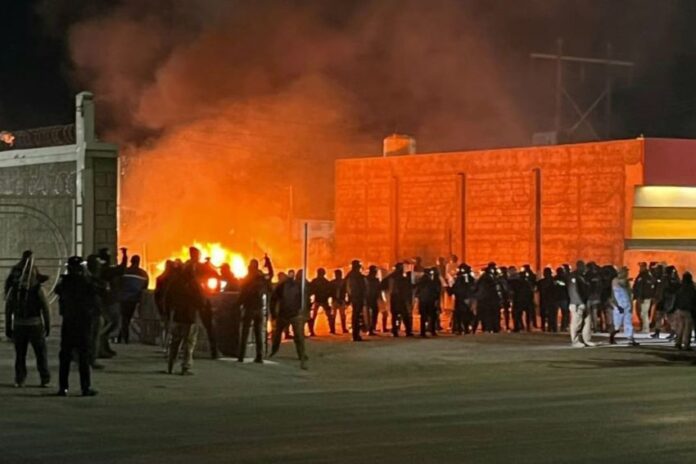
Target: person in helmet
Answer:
pixel 356 290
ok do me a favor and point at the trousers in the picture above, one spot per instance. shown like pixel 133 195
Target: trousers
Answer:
pixel 75 342
pixel 624 319
pixel 580 324
pixel 297 324
pixel 25 335
pixel 184 337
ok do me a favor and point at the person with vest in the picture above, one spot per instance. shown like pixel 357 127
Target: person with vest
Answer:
pixel 27 319
pixel 77 300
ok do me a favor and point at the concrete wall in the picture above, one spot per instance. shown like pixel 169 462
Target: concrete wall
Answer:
pixel 541 205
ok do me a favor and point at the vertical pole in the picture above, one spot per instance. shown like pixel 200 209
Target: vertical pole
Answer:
pixel 559 87
pixel 462 216
pixel 608 96
pixel 304 266
pixel 537 219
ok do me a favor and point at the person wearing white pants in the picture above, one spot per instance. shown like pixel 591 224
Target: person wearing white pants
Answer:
pixel 621 302
pixel 580 315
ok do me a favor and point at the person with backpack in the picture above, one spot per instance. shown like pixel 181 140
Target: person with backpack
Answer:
pixel 27 319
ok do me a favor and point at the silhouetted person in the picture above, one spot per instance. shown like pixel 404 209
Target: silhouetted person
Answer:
pixel 685 304
pixel 27 319
pixel 254 287
pixel 400 288
pixel 92 276
pixel 110 276
pixel 356 289
pixel 428 293
pixel 463 290
pixel 133 283
pixel 562 298
pixel 288 296
pixel 643 293
pixel 321 289
pixel 77 300
pixel 548 301
pixel 231 282
pixel 373 293
pixel 338 301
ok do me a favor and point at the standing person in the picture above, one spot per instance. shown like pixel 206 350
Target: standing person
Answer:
pixel 463 289
pixel 594 293
pixel 488 298
pixel 92 276
pixel 321 289
pixel 548 302
pixel 428 293
pixel 110 277
pixel 204 271
pixel 580 317
pixel 522 301
pixel 338 301
pixel 133 282
pixel 228 281
pixel 400 289
pixel 503 283
pixel 608 274
pixel 184 299
pixel 530 277
pixel 665 310
pixel 621 302
pixel 162 284
pixel 255 287
pixel 77 301
pixel 288 296
pixel 643 293
pixel 562 298
pixel 373 294
pixel 27 319
pixel 356 290
pixel 685 304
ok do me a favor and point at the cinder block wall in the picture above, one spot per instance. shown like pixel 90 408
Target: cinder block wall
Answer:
pixel 540 205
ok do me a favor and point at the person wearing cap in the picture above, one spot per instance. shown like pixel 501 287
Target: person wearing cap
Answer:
pixel 27 319
pixel 643 294
pixel 621 303
pixel 356 290
pixel 78 305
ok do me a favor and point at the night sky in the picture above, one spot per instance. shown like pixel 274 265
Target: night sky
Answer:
pixel 38 83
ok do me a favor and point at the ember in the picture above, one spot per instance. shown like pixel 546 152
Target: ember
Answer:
pixel 7 137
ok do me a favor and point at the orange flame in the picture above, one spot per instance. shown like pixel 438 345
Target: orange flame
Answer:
pixel 218 255
pixel 7 137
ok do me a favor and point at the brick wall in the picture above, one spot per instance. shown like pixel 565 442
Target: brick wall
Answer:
pixel 483 205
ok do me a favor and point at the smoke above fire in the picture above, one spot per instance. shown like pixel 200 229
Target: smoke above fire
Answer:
pixel 231 114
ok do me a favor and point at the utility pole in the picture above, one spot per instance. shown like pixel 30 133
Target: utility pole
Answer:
pixel 564 126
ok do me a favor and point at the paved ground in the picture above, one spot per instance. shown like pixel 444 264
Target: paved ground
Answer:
pixel 490 398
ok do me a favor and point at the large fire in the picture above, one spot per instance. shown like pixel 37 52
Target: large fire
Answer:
pixel 218 255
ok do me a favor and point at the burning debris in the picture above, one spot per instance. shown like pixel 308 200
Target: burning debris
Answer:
pixel 216 253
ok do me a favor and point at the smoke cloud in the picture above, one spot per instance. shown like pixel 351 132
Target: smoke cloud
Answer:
pixel 231 114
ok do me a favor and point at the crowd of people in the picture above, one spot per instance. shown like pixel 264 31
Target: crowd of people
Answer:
pixel 97 301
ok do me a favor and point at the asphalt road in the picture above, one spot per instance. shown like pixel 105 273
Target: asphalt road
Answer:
pixel 513 398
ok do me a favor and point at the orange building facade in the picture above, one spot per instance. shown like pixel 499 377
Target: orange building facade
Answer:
pixel 538 205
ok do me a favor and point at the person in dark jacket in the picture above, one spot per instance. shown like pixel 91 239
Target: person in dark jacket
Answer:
pixel 228 281
pixel 338 301
pixel 321 289
pixel 643 294
pixel 254 288
pixel 110 276
pixel 463 290
pixel 133 283
pixel 580 317
pixel 488 298
pixel 162 284
pixel 400 289
pixel 356 291
pixel 548 302
pixel 290 312
pixel 92 275
pixel 184 299
pixel 522 301
pixel 594 294
pixel 667 288
pixel 27 319
pixel 428 293
pixel 77 300
pixel 685 304
pixel 608 274
pixel 372 297
pixel 562 298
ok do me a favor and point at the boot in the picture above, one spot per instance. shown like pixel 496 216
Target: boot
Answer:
pixel 612 337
